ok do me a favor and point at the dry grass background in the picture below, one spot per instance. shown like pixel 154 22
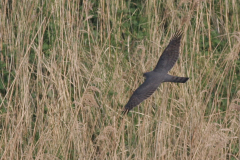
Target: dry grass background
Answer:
pixel 69 67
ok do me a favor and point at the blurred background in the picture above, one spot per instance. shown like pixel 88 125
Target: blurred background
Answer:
pixel 67 69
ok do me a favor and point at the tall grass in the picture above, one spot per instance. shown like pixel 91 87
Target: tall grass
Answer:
pixel 69 67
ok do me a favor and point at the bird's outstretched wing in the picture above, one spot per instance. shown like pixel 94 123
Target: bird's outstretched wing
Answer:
pixel 170 54
pixel 144 91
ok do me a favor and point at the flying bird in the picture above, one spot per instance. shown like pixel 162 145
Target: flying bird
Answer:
pixel 159 75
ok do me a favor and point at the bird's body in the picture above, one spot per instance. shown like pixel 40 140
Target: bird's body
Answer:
pixel 158 75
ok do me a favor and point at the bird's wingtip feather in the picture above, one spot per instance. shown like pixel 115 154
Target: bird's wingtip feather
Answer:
pixel 125 111
pixel 177 35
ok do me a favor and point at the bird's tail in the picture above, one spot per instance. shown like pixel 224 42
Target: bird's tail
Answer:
pixel 176 79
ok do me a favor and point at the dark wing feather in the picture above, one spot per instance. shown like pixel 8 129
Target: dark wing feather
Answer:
pixel 141 93
pixel 170 54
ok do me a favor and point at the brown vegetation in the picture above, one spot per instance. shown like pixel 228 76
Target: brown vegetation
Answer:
pixel 69 67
